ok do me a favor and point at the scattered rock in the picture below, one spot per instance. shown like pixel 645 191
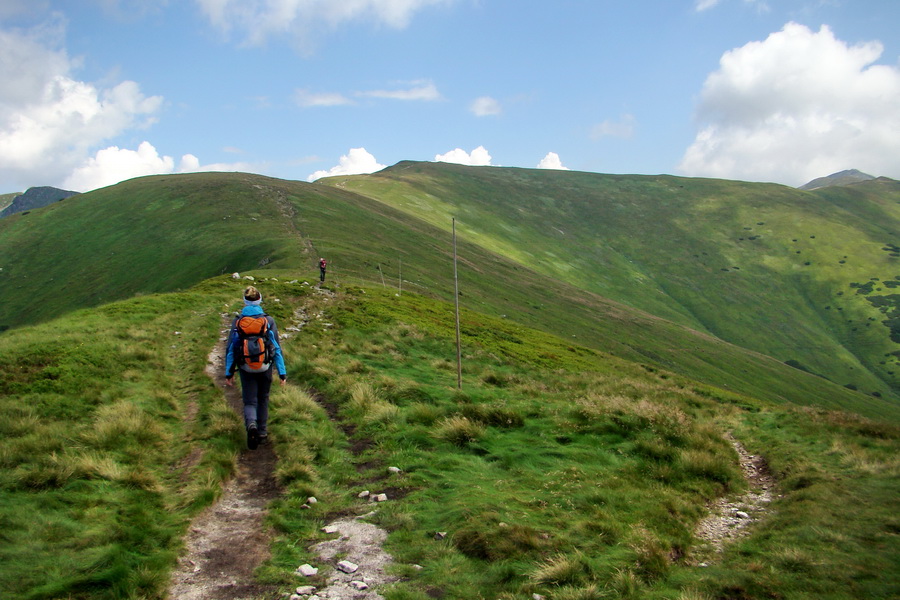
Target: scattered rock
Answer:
pixel 363 494
pixel 360 585
pixel 330 529
pixel 729 518
pixel 312 500
pixel 394 470
pixel 305 590
pixel 440 535
pixel 307 570
pixel 347 567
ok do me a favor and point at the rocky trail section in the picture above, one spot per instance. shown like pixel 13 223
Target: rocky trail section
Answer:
pixel 730 519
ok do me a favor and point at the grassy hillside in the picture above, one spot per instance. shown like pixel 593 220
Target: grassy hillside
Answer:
pixel 141 236
pixel 163 233
pixel 763 266
pixel 558 469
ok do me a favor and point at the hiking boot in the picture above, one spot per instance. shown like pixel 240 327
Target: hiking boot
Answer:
pixel 252 436
pixel 263 438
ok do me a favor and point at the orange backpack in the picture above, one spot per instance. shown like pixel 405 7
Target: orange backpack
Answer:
pixel 254 354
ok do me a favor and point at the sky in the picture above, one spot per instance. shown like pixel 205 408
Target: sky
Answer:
pixel 93 92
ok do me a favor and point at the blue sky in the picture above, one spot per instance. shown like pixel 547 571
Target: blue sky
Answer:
pixel 97 91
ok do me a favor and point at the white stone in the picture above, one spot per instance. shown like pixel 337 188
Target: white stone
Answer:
pixel 307 570
pixel 312 500
pixel 440 535
pixel 394 469
pixel 742 515
pixel 538 597
pixel 360 585
pixel 347 567
pixel 330 529
pixel 296 597
pixel 363 494
pixel 381 498
pixel 235 275
pixel 306 590
pixel 249 278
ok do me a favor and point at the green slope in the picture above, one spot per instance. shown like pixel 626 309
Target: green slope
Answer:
pixel 767 267
pixel 558 470
pixel 141 236
pixel 164 233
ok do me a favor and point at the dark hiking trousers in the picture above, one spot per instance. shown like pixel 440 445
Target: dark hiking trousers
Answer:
pixel 255 391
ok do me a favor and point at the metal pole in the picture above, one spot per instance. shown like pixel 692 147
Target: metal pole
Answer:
pixel 456 298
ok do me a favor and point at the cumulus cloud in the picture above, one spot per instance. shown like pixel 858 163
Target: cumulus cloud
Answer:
pixel 479 157
pixel 623 128
pixel 257 20
pixel 112 165
pixel 355 162
pixel 485 106
pixel 50 121
pixel 796 106
pixel 551 161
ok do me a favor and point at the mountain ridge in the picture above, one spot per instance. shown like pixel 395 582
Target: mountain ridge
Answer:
pixel 35 197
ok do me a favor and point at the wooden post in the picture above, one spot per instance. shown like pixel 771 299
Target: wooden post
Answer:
pixel 456 298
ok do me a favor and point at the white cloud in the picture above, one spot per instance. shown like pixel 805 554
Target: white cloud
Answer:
pixel 551 161
pixel 623 128
pixel 796 106
pixel 355 162
pixel 257 20
pixel 112 165
pixel 479 157
pixel 485 106
pixel 307 99
pixel 701 5
pixel 49 121
pixel 418 90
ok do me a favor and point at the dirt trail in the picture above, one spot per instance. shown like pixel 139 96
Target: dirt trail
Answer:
pixel 729 519
pixel 228 541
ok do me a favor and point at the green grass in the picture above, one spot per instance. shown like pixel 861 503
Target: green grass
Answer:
pixel 578 478
pixel 557 469
pixel 763 266
pixel 111 437
pixel 164 233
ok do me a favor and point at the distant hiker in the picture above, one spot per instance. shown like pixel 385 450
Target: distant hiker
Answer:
pixel 321 269
pixel 254 350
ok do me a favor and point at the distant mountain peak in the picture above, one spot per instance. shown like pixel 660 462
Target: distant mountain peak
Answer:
pixel 847 177
pixel 36 197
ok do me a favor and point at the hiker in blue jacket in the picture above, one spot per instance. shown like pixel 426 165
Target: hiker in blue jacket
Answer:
pixel 256 370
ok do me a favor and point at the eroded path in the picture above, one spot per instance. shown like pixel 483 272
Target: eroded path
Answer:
pixel 229 540
pixel 729 519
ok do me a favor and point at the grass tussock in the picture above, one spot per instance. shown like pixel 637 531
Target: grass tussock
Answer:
pixel 459 431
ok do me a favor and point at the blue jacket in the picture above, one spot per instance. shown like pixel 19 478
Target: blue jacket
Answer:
pixel 234 341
